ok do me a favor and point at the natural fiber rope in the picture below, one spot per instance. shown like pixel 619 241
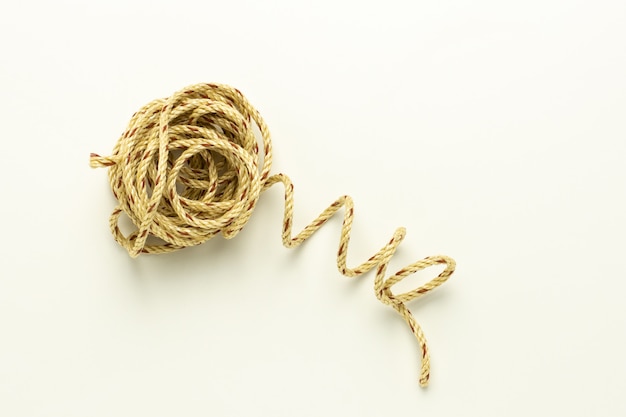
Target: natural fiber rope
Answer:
pixel 188 167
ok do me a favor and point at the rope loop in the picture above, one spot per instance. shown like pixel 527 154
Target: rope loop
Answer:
pixel 186 169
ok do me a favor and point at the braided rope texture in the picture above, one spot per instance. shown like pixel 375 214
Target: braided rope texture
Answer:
pixel 188 167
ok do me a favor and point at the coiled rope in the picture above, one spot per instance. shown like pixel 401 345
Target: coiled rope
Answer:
pixel 188 168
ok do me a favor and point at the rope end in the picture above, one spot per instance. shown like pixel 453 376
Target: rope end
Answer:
pixel 97 161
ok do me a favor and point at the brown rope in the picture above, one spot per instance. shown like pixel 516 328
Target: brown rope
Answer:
pixel 188 167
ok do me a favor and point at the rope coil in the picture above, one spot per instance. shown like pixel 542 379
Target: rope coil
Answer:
pixel 188 167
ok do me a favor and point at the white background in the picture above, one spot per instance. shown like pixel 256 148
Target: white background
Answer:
pixel 493 130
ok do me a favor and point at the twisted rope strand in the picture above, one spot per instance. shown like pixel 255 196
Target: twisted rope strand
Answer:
pixel 188 167
pixel 382 286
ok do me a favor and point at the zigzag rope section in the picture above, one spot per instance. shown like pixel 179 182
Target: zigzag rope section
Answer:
pixel 188 167
pixel 380 259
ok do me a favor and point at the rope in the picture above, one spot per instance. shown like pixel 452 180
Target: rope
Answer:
pixel 188 168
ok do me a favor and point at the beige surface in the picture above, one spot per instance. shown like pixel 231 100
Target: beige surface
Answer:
pixel 492 130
